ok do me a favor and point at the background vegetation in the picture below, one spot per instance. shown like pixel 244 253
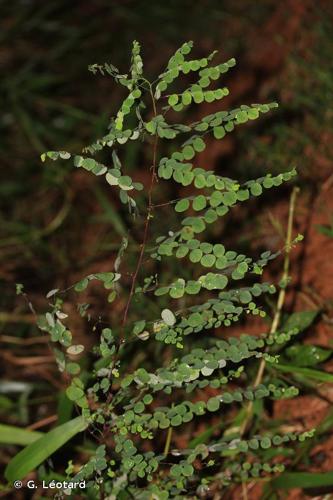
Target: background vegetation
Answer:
pixel 55 224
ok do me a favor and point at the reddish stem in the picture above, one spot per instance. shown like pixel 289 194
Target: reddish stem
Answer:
pixel 142 247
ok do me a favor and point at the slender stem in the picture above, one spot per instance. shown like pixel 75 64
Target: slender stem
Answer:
pixel 279 305
pixel 147 221
pixel 168 441
pixel 7 317
pixel 142 246
pixel 244 491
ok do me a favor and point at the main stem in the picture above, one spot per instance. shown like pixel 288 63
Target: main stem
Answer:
pixel 147 221
pixel 143 244
pixel 279 305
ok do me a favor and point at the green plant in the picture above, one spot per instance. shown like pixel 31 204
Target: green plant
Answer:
pixel 327 230
pixel 127 410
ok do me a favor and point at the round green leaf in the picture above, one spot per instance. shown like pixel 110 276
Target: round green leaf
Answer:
pixel 198 96
pixel 173 99
pixel 188 152
pixel 213 404
pixel 195 255
pixel 219 132
pixel 74 393
pixel 200 181
pixel 198 144
pixel 187 470
pixel 199 202
pixel 218 250
pixel 256 189
pixel 186 98
pixel 208 260
pixel 182 205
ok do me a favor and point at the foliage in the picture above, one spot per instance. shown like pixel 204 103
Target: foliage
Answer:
pixel 126 411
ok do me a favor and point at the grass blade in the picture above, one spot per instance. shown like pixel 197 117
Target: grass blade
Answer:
pixel 302 480
pixel 305 372
pixel 10 434
pixel 33 455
